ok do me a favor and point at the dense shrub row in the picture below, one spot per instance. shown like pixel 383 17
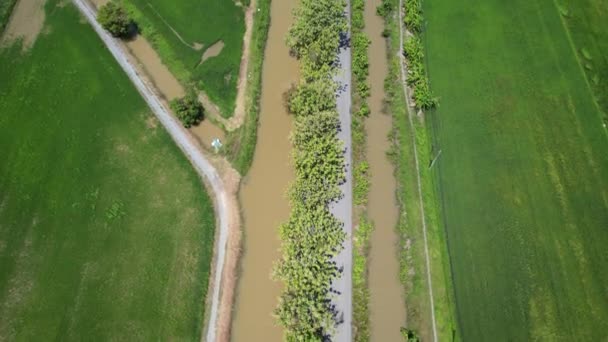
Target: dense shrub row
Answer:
pixel 312 236
pixel 414 53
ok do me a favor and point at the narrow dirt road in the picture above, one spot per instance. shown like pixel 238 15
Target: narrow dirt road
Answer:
pixel 402 34
pixel 343 209
pixel 181 137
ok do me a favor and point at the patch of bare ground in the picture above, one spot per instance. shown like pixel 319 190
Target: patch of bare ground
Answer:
pixel 25 23
pixel 99 3
pixel 213 51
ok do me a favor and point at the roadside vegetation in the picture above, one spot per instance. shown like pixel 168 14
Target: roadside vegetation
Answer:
pixel 361 178
pixel 182 30
pixel 6 8
pixel 313 236
pixel 105 228
pixel 523 172
pixel 188 109
pixel 114 18
pixel 409 137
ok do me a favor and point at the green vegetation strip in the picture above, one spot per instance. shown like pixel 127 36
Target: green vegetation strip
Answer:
pixel 523 169
pixel 6 8
pixel 412 263
pixel 176 27
pixel 241 143
pixel 105 229
pixel 313 236
pixel 361 182
pixel 586 23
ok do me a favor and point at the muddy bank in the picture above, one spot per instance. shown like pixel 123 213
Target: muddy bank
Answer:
pixel 387 305
pixel 263 193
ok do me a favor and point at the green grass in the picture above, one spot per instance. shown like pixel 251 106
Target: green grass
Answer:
pixel 523 172
pixel 586 21
pixel 413 270
pixel 241 143
pixel 6 8
pixel 205 22
pixel 105 230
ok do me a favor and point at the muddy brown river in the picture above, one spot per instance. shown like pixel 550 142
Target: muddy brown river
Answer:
pixel 263 193
pixel 387 305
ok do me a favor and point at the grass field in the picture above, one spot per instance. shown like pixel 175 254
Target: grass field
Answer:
pixel 206 22
pixel 586 21
pixel 523 171
pixel 105 229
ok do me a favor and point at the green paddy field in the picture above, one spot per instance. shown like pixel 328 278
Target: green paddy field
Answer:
pixel 523 171
pixel 175 27
pixel 105 229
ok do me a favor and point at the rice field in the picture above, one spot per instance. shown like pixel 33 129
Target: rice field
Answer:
pixel 523 170
pixel 183 30
pixel 105 229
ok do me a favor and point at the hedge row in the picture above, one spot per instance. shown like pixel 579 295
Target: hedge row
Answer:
pixel 414 53
pixel 313 236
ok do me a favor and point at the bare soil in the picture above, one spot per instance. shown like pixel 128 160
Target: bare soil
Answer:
pixel 25 23
pixel 213 51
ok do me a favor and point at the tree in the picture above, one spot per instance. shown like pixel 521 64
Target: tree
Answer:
pixel 188 109
pixel 115 19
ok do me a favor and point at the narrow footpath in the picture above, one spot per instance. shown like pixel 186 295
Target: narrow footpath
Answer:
pixel 223 204
pixel 402 34
pixel 343 209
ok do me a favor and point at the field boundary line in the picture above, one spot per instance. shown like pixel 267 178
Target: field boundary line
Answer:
pixel 578 61
pixel 419 182
pixel 180 136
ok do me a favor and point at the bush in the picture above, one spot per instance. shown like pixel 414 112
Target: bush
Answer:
pixel 385 8
pixel 188 109
pixel 115 19
pixel 409 335
pixel 313 236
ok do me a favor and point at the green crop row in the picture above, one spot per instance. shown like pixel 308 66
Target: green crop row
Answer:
pixel 414 53
pixel 313 236
pixel 361 178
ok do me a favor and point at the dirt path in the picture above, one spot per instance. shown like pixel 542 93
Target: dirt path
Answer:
pixel 402 33
pixel 238 117
pixel 25 22
pixel 223 187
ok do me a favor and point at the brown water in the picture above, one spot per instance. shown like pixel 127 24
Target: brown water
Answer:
pixel 387 305
pixel 263 194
